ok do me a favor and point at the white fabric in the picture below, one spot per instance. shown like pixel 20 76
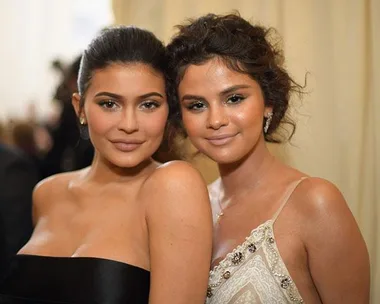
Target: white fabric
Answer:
pixel 258 277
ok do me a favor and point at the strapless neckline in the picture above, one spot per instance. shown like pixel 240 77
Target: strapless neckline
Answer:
pixel 47 257
pixel 50 279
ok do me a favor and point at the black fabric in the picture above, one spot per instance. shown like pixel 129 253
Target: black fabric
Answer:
pixel 18 177
pixel 40 279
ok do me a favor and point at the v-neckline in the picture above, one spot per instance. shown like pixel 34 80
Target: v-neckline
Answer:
pixel 240 245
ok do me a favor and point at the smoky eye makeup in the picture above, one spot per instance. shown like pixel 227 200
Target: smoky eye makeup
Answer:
pixel 108 104
pixel 195 105
pixel 235 99
pixel 149 105
pixel 193 102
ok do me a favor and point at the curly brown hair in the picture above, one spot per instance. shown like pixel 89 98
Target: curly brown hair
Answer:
pixel 244 48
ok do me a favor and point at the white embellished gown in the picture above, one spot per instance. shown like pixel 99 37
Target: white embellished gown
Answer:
pixel 254 271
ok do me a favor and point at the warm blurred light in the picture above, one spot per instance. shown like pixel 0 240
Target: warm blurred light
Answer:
pixel 33 34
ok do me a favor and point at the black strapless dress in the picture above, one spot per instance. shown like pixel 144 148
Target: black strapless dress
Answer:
pixel 61 280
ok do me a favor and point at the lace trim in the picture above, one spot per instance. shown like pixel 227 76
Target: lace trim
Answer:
pixel 261 236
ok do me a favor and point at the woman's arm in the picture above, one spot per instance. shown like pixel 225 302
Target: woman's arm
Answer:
pixel 180 235
pixel 338 257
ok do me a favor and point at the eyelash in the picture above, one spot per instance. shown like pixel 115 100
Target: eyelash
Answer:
pixel 194 105
pixel 111 105
pixel 239 97
pixel 106 103
pixel 155 105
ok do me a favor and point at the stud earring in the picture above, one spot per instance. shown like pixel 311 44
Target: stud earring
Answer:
pixel 268 121
pixel 82 121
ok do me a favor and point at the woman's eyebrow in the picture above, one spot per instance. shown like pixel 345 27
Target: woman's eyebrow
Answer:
pixel 233 89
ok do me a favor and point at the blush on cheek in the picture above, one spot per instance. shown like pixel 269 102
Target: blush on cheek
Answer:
pixel 249 117
pixel 98 121
pixel 155 126
pixel 193 125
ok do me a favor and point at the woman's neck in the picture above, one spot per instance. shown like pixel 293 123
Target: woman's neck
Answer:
pixel 102 171
pixel 247 173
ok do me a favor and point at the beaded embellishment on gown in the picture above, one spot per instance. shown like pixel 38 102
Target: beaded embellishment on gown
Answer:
pixel 254 271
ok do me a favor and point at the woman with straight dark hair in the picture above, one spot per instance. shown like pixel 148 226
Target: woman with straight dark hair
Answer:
pixel 126 229
pixel 280 236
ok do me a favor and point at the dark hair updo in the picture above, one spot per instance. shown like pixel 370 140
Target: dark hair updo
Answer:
pixel 244 48
pixel 121 45
pixel 128 45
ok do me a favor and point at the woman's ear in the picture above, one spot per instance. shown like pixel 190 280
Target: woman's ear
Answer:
pixel 268 110
pixel 75 100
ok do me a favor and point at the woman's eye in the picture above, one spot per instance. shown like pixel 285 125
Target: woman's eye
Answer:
pixel 150 105
pixel 108 104
pixel 235 99
pixel 196 106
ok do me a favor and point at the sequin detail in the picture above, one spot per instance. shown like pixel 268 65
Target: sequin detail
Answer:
pixel 260 238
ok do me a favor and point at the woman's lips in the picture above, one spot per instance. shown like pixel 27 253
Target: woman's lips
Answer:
pixel 220 140
pixel 127 146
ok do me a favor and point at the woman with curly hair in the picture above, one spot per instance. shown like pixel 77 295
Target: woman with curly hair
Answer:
pixel 280 236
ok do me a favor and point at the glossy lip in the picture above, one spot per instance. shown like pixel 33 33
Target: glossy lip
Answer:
pixel 220 140
pixel 127 145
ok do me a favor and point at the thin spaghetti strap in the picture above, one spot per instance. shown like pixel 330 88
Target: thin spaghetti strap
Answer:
pixel 288 194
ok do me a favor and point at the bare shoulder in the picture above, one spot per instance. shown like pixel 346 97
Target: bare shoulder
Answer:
pixel 178 167
pixel 319 197
pixel 49 189
pixel 322 210
pixel 330 233
pixel 176 184
pixel 176 176
pixel 179 221
pixel 53 184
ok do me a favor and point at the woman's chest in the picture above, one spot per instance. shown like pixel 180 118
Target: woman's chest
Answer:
pixel 112 230
pixel 256 268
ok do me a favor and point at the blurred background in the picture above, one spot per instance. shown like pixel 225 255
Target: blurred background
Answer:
pixel 337 42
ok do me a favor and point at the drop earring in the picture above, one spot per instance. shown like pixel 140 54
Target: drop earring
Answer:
pixel 82 121
pixel 268 121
